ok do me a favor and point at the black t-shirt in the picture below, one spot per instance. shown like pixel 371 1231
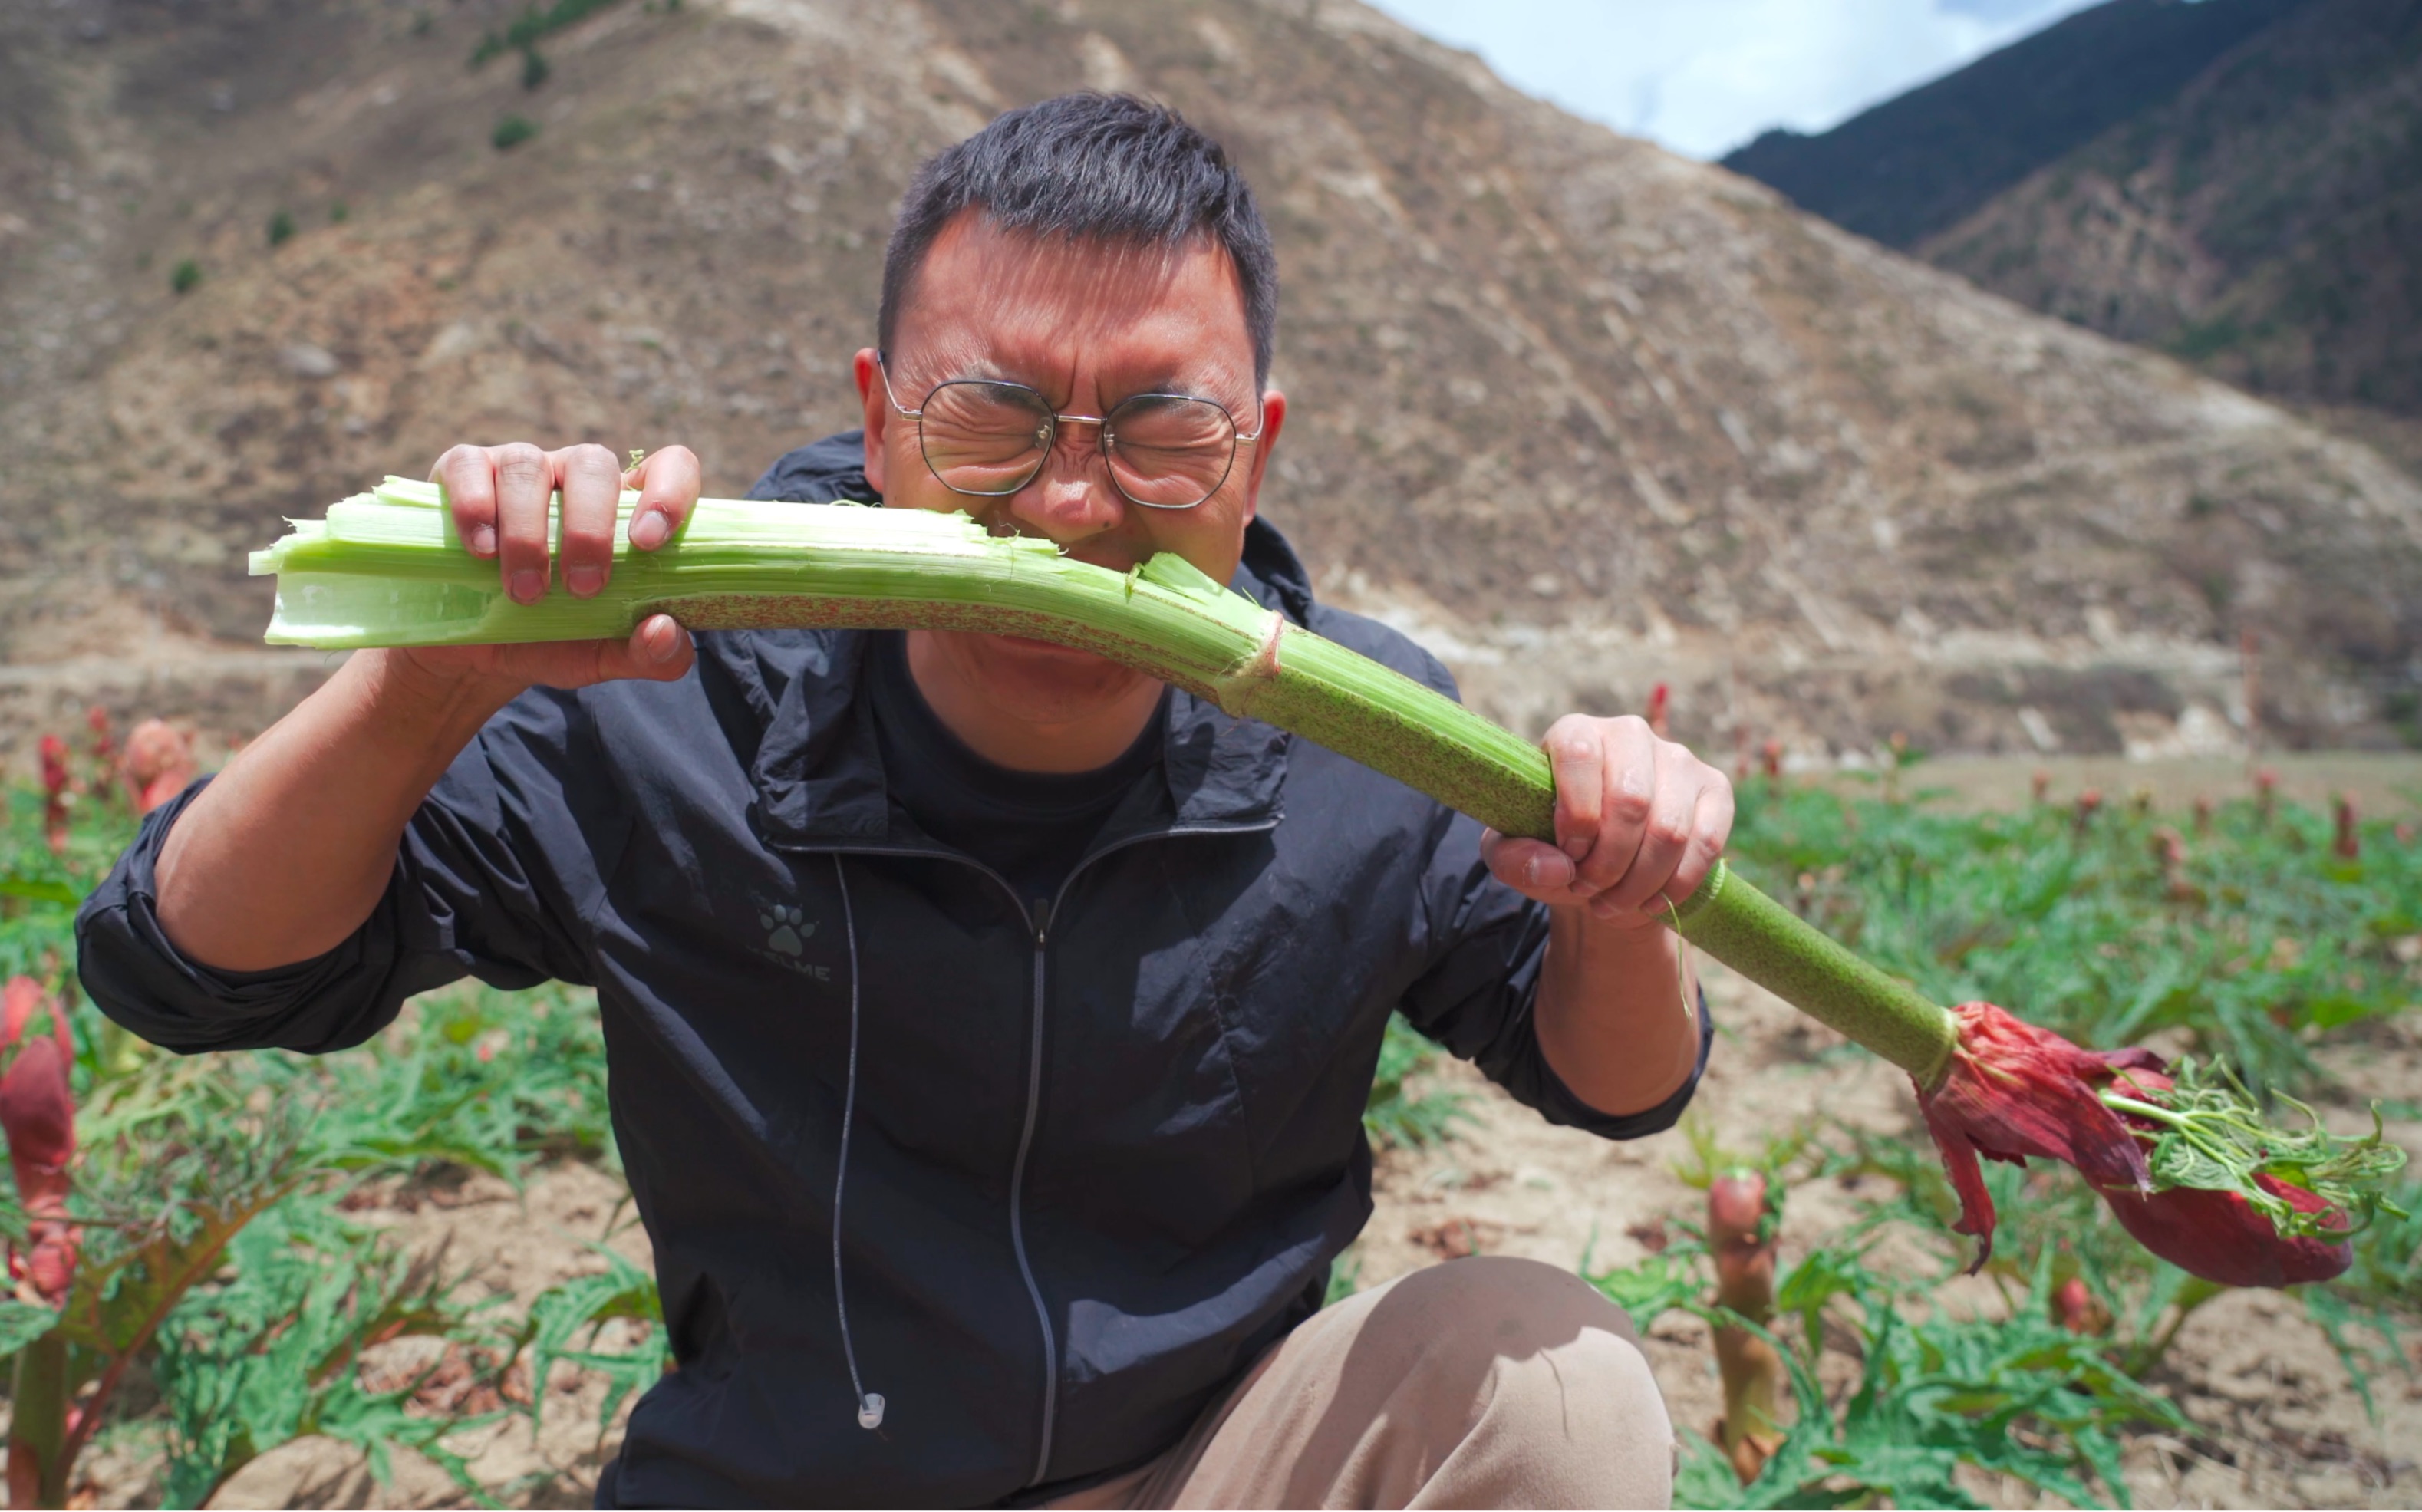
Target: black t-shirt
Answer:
pixel 1032 827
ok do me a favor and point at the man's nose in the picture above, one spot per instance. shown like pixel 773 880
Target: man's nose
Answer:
pixel 1072 498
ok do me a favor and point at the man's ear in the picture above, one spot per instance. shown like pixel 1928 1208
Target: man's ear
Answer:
pixel 1274 409
pixel 875 405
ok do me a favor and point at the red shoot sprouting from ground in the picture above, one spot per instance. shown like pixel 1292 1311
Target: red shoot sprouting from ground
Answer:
pixel 104 742
pixel 37 1115
pixel 55 784
pixel 158 764
pixel 1741 1231
pixel 2347 846
pixel 2076 1308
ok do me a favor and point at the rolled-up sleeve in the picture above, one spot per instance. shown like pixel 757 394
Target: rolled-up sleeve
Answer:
pixel 470 896
pixel 1489 945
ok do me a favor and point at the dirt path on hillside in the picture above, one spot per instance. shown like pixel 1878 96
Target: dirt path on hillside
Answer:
pixel 2277 1422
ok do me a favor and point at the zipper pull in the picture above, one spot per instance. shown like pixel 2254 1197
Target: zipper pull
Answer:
pixel 1040 915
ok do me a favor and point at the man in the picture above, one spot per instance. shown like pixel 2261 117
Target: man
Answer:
pixel 989 1025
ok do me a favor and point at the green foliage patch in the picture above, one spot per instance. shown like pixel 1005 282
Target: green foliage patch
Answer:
pixel 2254 940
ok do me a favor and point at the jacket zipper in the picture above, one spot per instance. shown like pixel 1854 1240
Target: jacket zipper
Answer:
pixel 1038 917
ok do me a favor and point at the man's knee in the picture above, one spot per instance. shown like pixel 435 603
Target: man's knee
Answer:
pixel 1558 1400
pixel 1493 1306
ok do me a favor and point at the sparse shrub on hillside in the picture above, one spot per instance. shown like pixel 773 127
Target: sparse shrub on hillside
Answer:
pixel 282 228
pixel 532 24
pixel 185 275
pixel 534 68
pixel 513 132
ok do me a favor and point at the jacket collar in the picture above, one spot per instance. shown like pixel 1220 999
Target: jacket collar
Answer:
pixel 818 770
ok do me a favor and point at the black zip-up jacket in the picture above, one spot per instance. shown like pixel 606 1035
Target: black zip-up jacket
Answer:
pixel 1099 1156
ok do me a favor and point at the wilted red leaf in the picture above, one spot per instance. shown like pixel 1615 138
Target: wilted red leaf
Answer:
pixel 2014 1091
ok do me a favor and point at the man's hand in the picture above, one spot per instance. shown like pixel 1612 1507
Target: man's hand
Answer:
pixel 285 853
pixel 500 498
pixel 1639 823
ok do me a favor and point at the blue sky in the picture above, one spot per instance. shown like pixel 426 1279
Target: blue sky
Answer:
pixel 1703 76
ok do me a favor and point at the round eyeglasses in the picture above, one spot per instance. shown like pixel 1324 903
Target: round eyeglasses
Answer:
pixel 988 438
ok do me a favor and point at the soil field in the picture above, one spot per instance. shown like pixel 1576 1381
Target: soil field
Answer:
pixel 2278 1424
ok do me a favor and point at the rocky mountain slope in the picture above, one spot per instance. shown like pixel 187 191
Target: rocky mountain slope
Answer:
pixel 1918 162
pixel 1583 415
pixel 2264 224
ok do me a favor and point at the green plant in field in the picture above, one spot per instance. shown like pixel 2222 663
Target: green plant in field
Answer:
pixel 513 132
pixel 205 1192
pixel 275 1351
pixel 2016 1395
pixel 582 1309
pixel 2247 939
pixel 1394 1116
pixel 185 277
pixel 2053 1219
pixel 282 228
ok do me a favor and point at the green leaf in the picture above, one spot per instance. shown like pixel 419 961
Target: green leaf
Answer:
pixel 38 890
pixel 21 1323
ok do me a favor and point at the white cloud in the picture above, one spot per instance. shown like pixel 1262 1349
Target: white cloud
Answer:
pixel 1703 76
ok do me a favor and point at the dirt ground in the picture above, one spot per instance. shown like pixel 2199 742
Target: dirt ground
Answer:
pixel 2277 1422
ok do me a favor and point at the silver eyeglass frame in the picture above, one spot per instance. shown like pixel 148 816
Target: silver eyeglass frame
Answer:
pixel 1237 437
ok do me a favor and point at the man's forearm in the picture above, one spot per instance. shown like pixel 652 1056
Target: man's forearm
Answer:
pixel 1612 1017
pixel 286 852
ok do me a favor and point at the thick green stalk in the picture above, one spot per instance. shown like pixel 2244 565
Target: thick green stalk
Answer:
pixel 386 570
pixel 38 1424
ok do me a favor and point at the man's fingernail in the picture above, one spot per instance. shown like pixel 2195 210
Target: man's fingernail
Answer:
pixel 663 641
pixel 483 541
pixel 649 530
pixel 584 580
pixel 528 587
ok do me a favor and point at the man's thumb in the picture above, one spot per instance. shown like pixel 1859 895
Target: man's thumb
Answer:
pixel 658 650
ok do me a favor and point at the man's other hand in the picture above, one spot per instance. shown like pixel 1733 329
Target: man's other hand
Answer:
pixel 500 497
pixel 1639 823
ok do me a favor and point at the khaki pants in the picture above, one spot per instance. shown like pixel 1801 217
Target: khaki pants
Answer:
pixel 1487 1382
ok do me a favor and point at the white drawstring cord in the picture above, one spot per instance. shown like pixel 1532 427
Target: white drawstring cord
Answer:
pixel 870 1404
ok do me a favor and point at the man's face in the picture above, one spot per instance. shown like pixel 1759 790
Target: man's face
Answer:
pixel 1086 324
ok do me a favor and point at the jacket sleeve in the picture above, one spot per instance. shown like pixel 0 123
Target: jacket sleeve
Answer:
pixel 470 895
pixel 1489 945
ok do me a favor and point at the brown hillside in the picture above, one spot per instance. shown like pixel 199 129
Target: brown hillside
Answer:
pixel 2263 224
pixel 1583 415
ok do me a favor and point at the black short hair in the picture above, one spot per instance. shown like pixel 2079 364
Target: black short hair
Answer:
pixel 1091 166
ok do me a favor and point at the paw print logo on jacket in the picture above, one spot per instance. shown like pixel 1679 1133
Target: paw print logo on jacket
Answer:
pixel 786 929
